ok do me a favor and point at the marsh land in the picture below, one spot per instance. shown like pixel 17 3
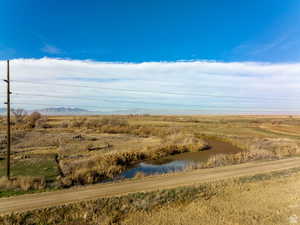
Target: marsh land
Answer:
pixel 64 152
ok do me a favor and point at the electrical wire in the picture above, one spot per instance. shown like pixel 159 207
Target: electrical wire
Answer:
pixel 151 92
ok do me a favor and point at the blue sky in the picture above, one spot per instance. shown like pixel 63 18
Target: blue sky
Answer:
pixel 156 30
pixel 219 48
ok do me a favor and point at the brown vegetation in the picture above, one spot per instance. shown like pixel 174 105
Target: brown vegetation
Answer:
pixel 22 120
pixel 280 147
pixel 19 115
pixel 237 158
pixel 23 183
pixel 214 203
pixel 253 149
pixel 97 168
pixel 95 148
pixel 92 149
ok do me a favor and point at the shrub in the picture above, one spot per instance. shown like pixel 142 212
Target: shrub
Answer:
pixel 114 122
pixel 23 183
pixel 3 141
pixel 32 119
pixel 34 116
pixel 35 139
pixel 64 124
pixel 92 169
pixel 185 141
pixel 42 123
pixel 19 115
pixel 93 123
pixel 77 122
pixel 280 147
pixel 240 157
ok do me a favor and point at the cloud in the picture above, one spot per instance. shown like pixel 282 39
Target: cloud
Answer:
pixel 283 47
pixel 214 87
pixel 51 49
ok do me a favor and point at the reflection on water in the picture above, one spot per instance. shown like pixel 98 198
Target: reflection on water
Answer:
pixel 180 161
pixel 148 169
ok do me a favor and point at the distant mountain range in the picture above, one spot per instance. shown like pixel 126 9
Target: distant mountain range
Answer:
pixel 56 111
pixel 62 111
pixel 78 111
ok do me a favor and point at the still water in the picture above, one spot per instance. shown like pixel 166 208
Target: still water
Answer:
pixel 180 161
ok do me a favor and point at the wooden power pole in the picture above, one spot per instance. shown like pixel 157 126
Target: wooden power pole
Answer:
pixel 8 122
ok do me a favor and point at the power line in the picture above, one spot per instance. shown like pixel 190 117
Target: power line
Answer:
pixel 125 101
pixel 97 98
pixel 85 98
pixel 135 102
pixel 120 101
pixel 152 92
pixel 106 100
pixel 140 102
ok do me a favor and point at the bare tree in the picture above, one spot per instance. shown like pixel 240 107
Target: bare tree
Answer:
pixel 19 115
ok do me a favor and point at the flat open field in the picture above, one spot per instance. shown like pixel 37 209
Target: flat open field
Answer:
pixel 62 151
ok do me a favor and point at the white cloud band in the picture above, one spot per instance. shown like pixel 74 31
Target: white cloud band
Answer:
pixel 236 86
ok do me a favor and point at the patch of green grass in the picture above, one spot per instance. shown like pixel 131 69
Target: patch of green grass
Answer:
pixel 46 168
pixel 32 167
pixel 8 193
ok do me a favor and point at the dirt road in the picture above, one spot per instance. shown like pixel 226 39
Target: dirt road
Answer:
pixel 41 200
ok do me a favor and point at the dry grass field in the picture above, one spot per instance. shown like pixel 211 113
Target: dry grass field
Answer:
pixel 57 152
pixel 273 201
pixel 265 199
pixel 62 151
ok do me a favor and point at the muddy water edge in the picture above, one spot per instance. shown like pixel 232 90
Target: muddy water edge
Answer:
pixel 180 161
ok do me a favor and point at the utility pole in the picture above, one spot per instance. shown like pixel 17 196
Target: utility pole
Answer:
pixel 8 122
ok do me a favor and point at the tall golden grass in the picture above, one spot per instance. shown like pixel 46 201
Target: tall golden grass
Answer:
pixel 81 166
pixel 253 149
pixel 118 125
pixel 280 147
pixel 237 158
pixel 23 183
pixel 100 167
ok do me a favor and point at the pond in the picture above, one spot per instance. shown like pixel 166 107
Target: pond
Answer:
pixel 180 161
